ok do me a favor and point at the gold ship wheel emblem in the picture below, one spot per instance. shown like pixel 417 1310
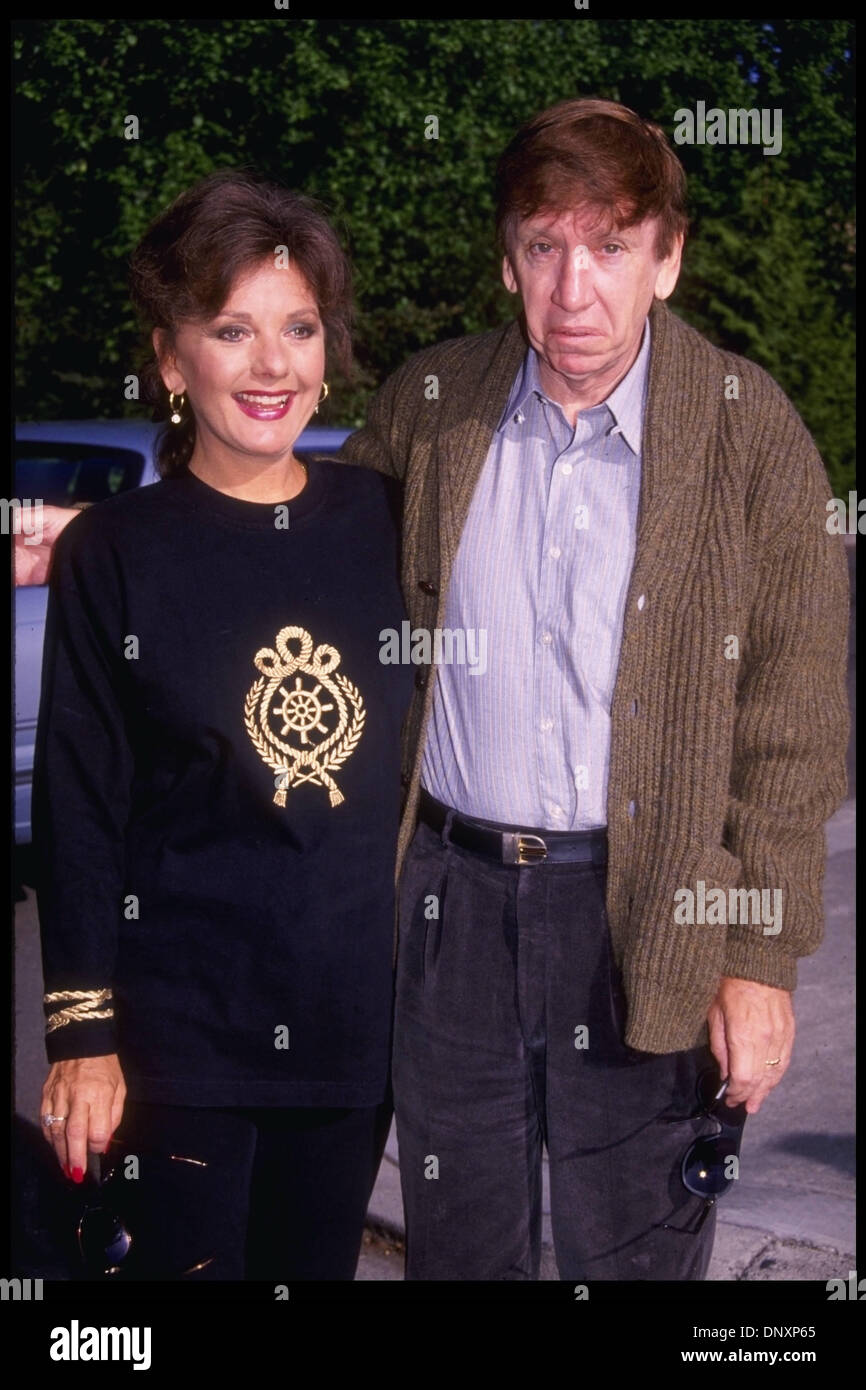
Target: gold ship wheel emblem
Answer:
pixel 303 730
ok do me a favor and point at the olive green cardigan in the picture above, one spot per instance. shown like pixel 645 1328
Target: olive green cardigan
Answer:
pixel 729 713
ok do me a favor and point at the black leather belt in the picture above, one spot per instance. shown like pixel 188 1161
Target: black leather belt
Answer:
pixel 509 844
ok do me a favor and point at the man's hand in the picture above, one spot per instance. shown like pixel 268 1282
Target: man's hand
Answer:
pixel 750 1025
pixel 33 562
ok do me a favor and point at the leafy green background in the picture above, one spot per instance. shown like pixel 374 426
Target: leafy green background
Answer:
pixel 338 109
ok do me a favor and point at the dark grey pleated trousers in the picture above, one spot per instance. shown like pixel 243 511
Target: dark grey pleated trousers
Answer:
pixel 508 1035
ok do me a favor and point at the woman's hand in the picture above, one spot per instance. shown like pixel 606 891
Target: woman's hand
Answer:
pixel 89 1092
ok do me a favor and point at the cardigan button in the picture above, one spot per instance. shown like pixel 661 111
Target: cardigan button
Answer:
pixel 420 678
pixel 405 779
pixel 633 708
pixel 632 809
pixel 640 603
pixel 428 587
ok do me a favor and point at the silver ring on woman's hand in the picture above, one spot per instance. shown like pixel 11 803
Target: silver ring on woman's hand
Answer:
pixel 49 1120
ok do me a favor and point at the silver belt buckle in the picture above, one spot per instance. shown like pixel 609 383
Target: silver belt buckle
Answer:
pixel 524 849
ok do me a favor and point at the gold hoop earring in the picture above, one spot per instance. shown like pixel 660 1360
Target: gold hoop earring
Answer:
pixel 176 409
pixel 322 398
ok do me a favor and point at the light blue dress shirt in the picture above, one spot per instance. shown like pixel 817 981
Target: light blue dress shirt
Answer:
pixel 522 736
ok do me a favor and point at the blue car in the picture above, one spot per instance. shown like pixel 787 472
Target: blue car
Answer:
pixel 63 462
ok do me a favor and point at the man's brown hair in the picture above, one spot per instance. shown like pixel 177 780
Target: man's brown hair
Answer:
pixel 598 154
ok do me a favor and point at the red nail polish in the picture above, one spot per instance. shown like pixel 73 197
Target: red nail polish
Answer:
pixel 78 1175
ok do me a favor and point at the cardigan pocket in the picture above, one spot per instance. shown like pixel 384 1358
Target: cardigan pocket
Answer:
pixel 718 868
pixel 702 896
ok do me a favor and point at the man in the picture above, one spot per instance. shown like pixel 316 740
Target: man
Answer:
pixel 634 520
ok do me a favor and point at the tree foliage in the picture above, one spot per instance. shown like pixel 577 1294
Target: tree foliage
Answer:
pixel 340 110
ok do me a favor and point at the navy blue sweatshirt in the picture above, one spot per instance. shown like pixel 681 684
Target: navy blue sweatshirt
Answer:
pixel 217 791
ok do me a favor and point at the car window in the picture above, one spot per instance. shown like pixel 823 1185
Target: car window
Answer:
pixel 63 474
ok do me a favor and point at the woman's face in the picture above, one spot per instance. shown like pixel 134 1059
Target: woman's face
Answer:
pixel 252 375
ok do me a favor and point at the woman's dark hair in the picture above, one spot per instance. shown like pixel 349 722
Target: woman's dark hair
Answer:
pixel 190 256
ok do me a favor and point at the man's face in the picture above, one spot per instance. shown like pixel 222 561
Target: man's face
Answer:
pixel 586 293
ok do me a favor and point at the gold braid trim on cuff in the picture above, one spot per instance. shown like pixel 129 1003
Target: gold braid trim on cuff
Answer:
pixel 87 1007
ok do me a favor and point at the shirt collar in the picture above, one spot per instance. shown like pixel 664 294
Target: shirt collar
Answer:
pixel 626 402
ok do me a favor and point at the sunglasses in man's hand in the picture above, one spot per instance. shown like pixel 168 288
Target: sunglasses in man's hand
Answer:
pixel 707 1170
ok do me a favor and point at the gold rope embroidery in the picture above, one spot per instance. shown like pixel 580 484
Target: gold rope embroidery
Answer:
pixel 301 712
pixel 87 1006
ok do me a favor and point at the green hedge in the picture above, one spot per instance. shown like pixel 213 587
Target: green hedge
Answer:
pixel 339 109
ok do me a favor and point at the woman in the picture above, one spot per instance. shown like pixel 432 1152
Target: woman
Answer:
pixel 216 794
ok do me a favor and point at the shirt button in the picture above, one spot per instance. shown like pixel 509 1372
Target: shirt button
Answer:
pixel 547 637
pixel 556 810
pixel 519 418
pixel 546 726
pixel 640 603
pixel 632 808
pixel 554 552
pixel 567 468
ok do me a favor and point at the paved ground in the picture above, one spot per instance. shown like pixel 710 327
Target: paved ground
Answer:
pixel 791 1214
